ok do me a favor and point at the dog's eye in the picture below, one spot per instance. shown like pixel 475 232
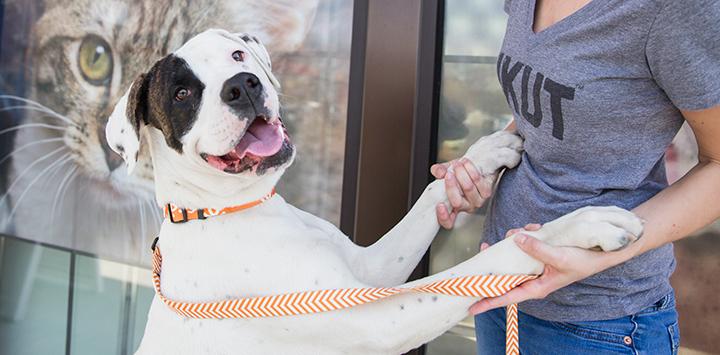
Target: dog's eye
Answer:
pixel 238 56
pixel 181 94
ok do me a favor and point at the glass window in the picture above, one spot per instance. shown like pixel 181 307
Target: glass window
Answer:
pixel 110 304
pixel 314 98
pixel 34 282
pixel 61 74
pixel 61 185
pixel 471 105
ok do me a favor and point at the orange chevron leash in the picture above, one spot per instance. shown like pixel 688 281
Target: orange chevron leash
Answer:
pixel 316 301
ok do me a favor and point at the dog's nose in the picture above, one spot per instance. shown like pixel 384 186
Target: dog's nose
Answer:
pixel 241 90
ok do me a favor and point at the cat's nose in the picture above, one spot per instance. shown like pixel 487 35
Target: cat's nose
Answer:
pixel 112 159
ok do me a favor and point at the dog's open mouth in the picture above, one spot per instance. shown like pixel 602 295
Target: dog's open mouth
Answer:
pixel 261 140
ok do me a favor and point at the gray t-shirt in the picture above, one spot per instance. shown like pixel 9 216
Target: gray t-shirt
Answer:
pixel 597 97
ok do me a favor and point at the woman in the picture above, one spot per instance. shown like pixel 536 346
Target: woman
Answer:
pixel 598 89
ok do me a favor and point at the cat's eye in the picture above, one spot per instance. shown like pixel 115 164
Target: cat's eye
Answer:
pixel 238 56
pixel 95 60
pixel 181 94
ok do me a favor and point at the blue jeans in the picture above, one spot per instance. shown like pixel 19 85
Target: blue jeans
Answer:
pixel 652 331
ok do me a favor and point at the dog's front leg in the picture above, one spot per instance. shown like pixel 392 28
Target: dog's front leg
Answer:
pixel 391 259
pixel 407 321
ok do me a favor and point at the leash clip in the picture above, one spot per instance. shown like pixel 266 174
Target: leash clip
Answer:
pixel 154 244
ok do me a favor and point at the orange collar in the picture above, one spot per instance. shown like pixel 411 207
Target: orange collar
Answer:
pixel 181 215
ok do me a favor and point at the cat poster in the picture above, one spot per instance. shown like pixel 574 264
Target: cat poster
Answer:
pixel 65 63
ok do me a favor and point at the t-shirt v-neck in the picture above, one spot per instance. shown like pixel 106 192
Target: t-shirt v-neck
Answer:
pixel 576 15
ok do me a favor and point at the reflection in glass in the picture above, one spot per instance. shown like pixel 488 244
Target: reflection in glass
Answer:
pixel 109 308
pixel 314 100
pixel 34 283
pixel 61 74
pixel 471 105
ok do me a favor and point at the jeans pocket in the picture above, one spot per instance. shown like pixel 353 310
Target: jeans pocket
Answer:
pixel 591 333
pixel 674 333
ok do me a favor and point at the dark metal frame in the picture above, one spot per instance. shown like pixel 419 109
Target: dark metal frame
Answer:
pixel 354 116
pixel 394 93
pixel 427 108
pixel 380 117
pixel 392 112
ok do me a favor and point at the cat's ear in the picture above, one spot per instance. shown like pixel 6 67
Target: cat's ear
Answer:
pixel 282 24
pixel 123 126
pixel 258 51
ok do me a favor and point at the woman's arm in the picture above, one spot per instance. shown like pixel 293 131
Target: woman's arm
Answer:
pixel 675 213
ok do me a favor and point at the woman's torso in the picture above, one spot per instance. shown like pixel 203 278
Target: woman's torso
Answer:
pixel 586 96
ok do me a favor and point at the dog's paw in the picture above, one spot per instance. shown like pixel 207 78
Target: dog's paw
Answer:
pixel 500 149
pixel 608 228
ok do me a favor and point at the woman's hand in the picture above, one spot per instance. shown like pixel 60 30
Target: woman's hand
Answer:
pixel 563 266
pixel 466 188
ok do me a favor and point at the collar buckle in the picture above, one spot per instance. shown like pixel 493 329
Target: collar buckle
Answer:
pixel 170 215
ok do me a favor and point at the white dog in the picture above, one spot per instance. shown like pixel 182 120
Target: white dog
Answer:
pixel 209 112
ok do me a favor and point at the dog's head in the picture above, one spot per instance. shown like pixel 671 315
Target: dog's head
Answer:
pixel 213 104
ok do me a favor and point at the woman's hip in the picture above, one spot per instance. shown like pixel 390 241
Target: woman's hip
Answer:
pixel 654 330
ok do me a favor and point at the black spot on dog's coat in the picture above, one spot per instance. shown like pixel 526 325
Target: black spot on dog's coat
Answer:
pixel 152 99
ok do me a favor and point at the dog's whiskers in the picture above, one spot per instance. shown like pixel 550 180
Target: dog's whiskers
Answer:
pixel 289 96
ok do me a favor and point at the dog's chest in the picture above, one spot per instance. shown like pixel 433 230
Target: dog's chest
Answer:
pixel 248 254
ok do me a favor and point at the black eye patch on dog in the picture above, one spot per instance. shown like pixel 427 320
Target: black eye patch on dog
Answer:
pixel 173 98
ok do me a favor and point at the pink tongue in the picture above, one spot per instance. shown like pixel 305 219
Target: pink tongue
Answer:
pixel 261 139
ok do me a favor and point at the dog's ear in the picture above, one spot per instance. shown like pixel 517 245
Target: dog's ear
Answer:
pixel 257 47
pixel 259 53
pixel 123 126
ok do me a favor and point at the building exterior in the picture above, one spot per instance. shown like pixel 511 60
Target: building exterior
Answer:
pixel 374 92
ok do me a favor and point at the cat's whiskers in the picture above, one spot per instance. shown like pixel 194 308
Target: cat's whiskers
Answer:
pixel 51 114
pixel 42 141
pixel 31 125
pixel 153 211
pixel 62 160
pixel 51 176
pixel 60 192
pixel 141 211
pixel 27 169
pixel 34 105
